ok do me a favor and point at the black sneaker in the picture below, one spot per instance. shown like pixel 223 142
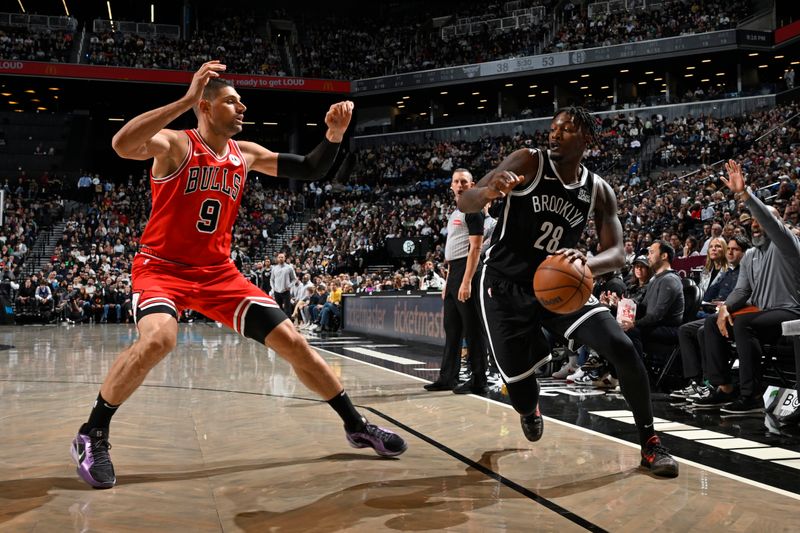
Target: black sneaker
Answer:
pixel 657 459
pixel 438 385
pixel 744 406
pixel 532 425
pixel 89 450
pixel 792 419
pixel 714 400
pixel 468 387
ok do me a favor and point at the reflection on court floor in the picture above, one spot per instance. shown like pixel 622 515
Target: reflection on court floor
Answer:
pixel 223 437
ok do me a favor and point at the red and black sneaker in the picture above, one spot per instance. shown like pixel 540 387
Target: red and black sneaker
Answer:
pixel 533 425
pixel 657 459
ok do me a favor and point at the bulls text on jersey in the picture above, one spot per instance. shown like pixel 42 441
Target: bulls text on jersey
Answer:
pixel 207 178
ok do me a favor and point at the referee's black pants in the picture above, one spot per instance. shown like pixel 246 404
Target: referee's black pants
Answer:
pixel 284 301
pixel 461 320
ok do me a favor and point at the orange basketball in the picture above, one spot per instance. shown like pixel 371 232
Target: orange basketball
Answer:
pixel 562 287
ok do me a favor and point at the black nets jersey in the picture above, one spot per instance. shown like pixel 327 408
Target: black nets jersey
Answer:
pixel 534 222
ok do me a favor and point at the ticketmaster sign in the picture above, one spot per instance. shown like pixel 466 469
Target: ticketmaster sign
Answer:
pixel 407 317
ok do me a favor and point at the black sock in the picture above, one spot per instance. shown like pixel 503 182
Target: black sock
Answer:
pixel 645 433
pixel 346 410
pixel 101 414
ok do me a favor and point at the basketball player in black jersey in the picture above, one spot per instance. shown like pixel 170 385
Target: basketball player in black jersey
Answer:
pixel 547 196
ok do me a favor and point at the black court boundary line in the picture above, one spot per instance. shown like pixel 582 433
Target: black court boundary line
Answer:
pixel 552 506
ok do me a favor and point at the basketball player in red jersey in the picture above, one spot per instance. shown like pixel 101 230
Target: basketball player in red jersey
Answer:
pixel 197 181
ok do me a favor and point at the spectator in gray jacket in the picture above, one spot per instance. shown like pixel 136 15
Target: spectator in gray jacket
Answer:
pixel 660 312
pixel 768 283
pixel 281 280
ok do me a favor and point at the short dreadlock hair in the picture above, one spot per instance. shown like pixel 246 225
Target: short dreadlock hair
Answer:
pixel 582 118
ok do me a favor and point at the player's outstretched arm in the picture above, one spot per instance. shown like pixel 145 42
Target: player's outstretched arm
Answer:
pixel 609 230
pixel 511 171
pixel 314 164
pixel 144 136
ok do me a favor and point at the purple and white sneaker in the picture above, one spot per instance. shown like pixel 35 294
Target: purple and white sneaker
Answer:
pixel 385 443
pixel 89 450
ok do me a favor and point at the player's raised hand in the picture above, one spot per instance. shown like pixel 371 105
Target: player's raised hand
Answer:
pixel 200 79
pixel 338 119
pixel 501 183
pixel 735 181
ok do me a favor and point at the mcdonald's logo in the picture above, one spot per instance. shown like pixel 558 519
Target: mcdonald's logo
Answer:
pixel 327 85
pixel 51 70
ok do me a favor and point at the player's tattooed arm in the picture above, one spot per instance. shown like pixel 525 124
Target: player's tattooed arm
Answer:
pixel 518 168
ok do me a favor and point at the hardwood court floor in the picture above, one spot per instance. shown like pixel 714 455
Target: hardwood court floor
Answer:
pixel 222 437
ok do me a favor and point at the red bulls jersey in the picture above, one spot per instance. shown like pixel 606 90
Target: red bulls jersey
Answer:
pixel 194 208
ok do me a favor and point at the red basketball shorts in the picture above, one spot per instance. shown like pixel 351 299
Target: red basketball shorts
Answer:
pixel 219 292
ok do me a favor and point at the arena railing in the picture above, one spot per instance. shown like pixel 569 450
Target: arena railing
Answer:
pixel 139 28
pixel 522 18
pixel 473 132
pixel 615 6
pixel 38 21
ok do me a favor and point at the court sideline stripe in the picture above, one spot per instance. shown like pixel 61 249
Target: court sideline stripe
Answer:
pixel 541 500
pixel 699 466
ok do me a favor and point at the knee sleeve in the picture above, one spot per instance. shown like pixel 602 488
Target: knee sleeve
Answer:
pixel 260 320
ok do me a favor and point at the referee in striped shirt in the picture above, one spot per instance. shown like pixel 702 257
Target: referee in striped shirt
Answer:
pixel 462 252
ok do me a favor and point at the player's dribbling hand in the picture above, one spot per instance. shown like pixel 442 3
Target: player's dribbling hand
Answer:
pixel 200 79
pixel 572 255
pixel 501 183
pixel 338 119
